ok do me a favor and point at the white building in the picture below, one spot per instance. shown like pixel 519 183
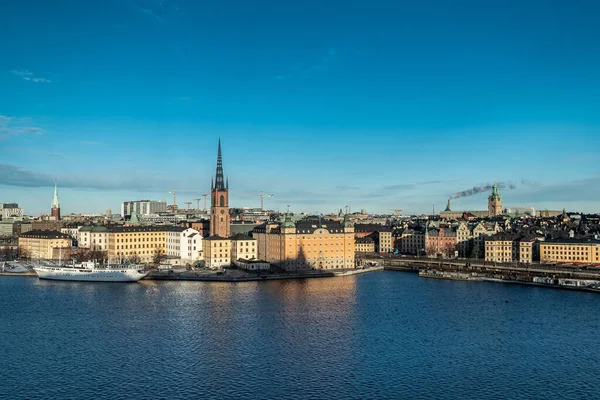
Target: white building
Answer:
pixel 253 265
pixel 184 244
pixel 8 210
pixel 93 237
pixel 243 247
pixel 143 207
pixel 173 248
pixel 73 232
pixel 191 245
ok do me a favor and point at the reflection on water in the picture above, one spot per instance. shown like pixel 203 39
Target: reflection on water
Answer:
pixel 378 335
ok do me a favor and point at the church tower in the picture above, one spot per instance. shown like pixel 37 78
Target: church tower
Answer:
pixel 219 201
pixel 55 210
pixel 494 202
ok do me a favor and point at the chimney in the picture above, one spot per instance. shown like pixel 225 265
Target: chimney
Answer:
pixel 448 206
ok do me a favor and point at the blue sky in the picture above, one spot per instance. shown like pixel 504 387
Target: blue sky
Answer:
pixel 371 104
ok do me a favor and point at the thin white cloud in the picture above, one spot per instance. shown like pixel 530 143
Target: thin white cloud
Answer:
pixel 12 175
pixel 10 127
pixel 90 142
pixel 28 76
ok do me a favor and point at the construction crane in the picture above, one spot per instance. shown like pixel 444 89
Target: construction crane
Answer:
pixel 262 198
pixel 197 203
pixel 397 211
pixel 188 203
pixel 204 195
pixel 174 193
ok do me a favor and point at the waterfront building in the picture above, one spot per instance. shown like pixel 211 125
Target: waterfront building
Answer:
pixel 173 246
pixel 243 247
pixel 479 233
pixel 381 235
pixel 93 237
pixel 136 241
pixel 55 210
pixel 510 247
pixel 310 243
pixel 440 242
pixel 143 207
pixel 570 251
pixel 40 244
pixel 217 252
pixel 219 201
pixel 253 265
pixel 412 241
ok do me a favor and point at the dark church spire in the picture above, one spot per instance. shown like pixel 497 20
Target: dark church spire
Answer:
pixel 219 181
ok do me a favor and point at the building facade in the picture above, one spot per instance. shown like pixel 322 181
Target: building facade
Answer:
pixel 243 247
pixel 142 207
pixel 311 243
pixel 217 252
pixel 191 246
pixel 219 202
pixel 40 244
pixel 143 242
pixel 440 242
pixel 570 251
pixel 93 237
pixel 10 210
pixel 364 245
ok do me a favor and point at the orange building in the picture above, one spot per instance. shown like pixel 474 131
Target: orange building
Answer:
pixel 311 243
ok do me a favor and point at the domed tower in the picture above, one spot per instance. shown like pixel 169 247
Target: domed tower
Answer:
pixel 494 202
pixel 219 201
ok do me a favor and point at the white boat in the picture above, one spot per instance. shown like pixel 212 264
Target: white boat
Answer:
pixel 90 271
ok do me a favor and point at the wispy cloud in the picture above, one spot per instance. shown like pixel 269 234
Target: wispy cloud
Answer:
pixel 12 175
pixel 157 10
pixel 29 76
pixel 90 143
pixel 10 127
pixel 321 66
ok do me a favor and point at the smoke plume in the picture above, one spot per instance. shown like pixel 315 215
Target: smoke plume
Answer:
pixel 482 188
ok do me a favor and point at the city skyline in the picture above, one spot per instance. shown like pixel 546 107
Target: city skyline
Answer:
pixel 385 107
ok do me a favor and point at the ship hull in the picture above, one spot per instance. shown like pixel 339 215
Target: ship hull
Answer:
pixel 63 274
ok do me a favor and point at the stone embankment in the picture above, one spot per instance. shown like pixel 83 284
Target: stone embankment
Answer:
pixel 558 276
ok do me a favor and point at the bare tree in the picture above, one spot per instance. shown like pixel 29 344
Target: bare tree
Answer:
pixel 82 255
pixel 97 255
pixel 134 259
pixel 23 253
pixel 159 255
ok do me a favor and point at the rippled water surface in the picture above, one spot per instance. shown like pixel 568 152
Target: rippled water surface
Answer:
pixel 379 335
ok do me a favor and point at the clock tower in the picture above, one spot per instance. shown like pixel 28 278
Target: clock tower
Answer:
pixel 219 202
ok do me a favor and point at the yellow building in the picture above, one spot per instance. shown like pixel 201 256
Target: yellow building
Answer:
pixel 136 241
pixel 570 251
pixel 364 245
pixel 39 244
pixel 309 243
pixel 504 247
pixel 217 251
pixel 243 247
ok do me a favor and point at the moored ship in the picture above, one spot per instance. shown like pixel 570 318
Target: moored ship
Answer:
pixel 92 272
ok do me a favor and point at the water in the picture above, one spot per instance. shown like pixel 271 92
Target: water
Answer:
pixel 379 335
